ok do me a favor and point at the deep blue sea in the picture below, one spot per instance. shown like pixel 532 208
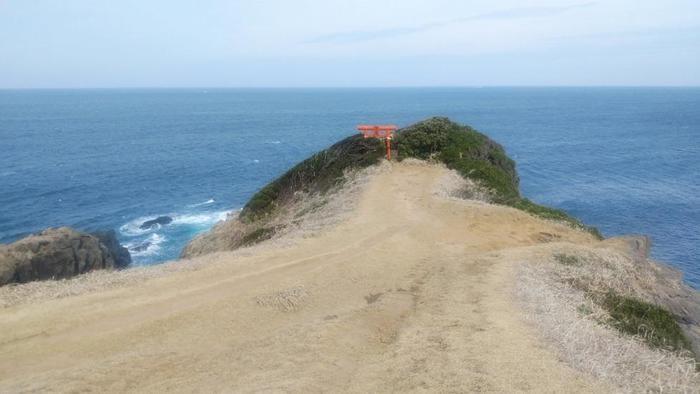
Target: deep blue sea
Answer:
pixel 626 160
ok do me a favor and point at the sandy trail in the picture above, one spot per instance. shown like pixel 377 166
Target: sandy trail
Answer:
pixel 410 294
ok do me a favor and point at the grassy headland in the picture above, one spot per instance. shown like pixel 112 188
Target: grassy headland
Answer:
pixel 474 155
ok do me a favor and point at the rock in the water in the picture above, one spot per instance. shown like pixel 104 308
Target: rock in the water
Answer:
pixel 58 253
pixel 160 220
pixel 122 258
pixel 142 247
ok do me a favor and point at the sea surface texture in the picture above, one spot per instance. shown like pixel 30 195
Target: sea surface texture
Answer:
pixel 626 160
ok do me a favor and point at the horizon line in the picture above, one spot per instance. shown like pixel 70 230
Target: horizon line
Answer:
pixel 340 87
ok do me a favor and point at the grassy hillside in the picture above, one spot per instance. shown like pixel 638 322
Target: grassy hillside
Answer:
pixel 472 154
pixel 318 173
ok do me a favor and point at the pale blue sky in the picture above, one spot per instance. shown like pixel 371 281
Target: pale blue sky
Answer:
pixel 310 43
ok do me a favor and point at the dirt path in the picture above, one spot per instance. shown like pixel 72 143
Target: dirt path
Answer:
pixel 408 295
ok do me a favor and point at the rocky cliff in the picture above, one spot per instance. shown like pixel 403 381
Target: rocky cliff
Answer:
pixel 60 253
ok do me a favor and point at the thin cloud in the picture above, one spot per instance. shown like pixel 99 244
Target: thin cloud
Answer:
pixel 514 13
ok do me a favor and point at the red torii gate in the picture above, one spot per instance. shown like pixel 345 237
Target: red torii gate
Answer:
pixel 385 132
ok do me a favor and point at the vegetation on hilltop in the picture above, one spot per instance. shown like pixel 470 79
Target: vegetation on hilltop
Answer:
pixel 475 156
pixel 317 174
pixel 464 149
pixel 472 154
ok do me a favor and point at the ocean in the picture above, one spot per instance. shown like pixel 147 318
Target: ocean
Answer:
pixel 626 160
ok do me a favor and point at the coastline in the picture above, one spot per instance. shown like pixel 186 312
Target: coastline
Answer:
pixel 373 264
pixel 455 295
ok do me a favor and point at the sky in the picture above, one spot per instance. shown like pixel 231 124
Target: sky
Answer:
pixel 334 43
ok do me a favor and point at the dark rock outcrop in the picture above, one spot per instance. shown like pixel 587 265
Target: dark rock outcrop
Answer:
pixel 141 247
pixel 59 253
pixel 122 258
pixel 160 220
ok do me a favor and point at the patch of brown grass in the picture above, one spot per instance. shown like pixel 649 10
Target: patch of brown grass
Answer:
pixel 558 296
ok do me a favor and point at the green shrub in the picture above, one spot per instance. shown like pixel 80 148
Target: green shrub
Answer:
pixel 656 325
pixel 463 149
pixel 425 139
pixel 318 173
pixel 567 259
pixel 477 157
pixel 552 214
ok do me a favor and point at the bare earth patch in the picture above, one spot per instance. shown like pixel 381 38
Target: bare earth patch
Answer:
pixel 286 300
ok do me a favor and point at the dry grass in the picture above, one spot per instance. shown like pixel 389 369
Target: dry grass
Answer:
pixel 31 292
pixel 309 214
pixel 556 300
pixel 455 186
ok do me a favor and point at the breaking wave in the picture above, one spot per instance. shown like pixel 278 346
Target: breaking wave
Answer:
pixel 162 242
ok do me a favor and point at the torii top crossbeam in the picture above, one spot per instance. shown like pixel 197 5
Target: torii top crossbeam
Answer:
pixel 385 131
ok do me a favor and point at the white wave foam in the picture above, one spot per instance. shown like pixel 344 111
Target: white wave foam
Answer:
pixel 201 219
pixel 149 247
pixel 273 142
pixel 133 228
pixel 209 201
